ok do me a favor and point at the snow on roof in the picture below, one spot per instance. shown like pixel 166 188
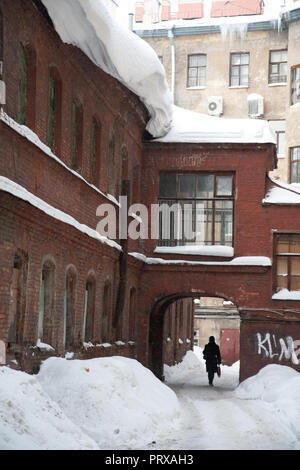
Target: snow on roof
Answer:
pixel 191 127
pixel 88 25
pixel 20 192
pixel 282 193
pixel 239 261
pixel 272 11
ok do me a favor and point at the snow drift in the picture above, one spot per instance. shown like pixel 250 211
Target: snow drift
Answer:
pixel 105 403
pixel 279 386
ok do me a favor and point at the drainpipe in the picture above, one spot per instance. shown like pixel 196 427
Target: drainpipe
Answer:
pixel 123 259
pixel 171 38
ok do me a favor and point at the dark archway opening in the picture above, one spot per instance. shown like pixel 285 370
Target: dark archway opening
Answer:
pixel 180 323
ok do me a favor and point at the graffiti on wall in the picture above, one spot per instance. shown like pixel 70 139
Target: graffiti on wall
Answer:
pixel 272 346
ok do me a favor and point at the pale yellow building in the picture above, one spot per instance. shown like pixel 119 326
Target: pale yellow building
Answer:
pixel 239 67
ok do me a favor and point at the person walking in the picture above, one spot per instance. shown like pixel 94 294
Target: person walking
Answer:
pixel 212 356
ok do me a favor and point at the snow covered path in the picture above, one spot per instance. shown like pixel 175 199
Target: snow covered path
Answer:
pixel 115 403
pixel 216 418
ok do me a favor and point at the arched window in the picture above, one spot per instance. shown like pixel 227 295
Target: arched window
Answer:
pixel 106 311
pixel 77 135
pixel 114 158
pixel 89 309
pixel 54 111
pixel 46 313
pixel 132 314
pixel 27 86
pixel 111 166
pixel 69 307
pixel 95 152
pixel 17 307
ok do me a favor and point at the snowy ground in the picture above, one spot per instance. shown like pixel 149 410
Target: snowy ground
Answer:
pixel 116 403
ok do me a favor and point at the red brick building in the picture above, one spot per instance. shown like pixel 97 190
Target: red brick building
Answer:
pixel 72 136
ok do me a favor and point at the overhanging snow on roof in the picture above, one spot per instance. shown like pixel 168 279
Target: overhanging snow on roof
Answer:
pixel 88 25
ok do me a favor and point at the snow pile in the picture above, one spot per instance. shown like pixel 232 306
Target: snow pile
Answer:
pixel 29 419
pixel 112 400
pixel 190 366
pixel 279 386
pixel 88 25
pixel 190 126
pixel 105 403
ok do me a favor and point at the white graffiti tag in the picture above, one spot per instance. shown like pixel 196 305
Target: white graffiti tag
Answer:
pixel 286 347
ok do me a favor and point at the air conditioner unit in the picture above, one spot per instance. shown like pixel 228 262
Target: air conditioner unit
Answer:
pixel 255 105
pixel 2 93
pixel 215 105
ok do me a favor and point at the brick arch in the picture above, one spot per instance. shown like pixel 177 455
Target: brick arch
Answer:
pixel 248 287
pixel 156 327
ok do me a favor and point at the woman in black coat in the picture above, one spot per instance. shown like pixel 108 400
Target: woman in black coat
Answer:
pixel 212 356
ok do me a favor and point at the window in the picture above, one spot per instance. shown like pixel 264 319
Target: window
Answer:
pixel 278 131
pixel 77 129
pixel 196 70
pixel 55 111
pixel 287 250
pixel 295 164
pixel 278 67
pixel 27 86
pixel 22 85
pixel 132 313
pixel 111 166
pixel 195 209
pixel 95 152
pixel 89 309
pixel 69 304
pixel 46 303
pixel 17 307
pixel 295 88
pixel 239 69
pixel 106 312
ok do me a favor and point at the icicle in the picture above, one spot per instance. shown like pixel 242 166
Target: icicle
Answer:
pixel 234 30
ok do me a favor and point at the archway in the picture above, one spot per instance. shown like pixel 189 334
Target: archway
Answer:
pixel 172 326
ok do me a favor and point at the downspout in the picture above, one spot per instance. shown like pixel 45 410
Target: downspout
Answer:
pixel 171 38
pixel 123 259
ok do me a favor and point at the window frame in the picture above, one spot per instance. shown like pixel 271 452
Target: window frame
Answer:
pixel 54 126
pixel 293 69
pixel 77 136
pixel 276 238
pixel 197 68
pixel 239 68
pixel 297 161
pixel 193 199
pixel 270 82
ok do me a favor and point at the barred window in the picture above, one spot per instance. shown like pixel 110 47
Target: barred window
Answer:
pixel 278 66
